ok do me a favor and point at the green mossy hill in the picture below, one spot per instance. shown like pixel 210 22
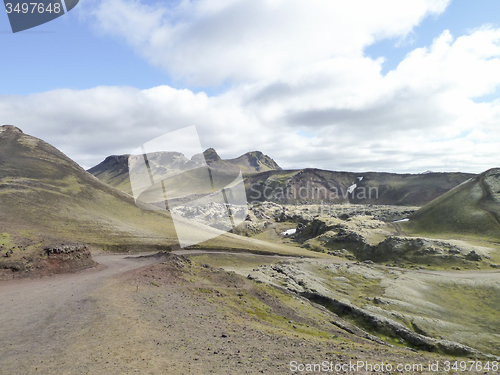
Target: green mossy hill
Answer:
pixel 408 189
pixel 471 209
pixel 47 195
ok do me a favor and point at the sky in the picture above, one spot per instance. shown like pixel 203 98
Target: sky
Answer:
pixel 400 86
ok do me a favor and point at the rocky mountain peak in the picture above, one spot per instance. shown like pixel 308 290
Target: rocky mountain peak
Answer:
pixel 258 160
pixel 117 159
pixel 10 128
pixel 210 156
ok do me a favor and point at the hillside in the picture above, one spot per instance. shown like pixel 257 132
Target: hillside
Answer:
pixel 471 209
pixel 316 185
pixel 246 304
pixel 47 197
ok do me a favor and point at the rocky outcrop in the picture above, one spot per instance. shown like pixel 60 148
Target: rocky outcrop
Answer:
pixel 392 328
pixel 473 256
pixel 215 215
pixel 53 260
pixel 10 128
pixel 314 228
pixel 66 249
pixel 208 156
pixel 65 259
pixel 298 277
pixel 418 250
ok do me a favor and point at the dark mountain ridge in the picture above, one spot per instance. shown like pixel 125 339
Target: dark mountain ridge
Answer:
pixel 315 186
pixel 266 181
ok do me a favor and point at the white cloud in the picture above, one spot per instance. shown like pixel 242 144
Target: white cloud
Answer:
pixel 468 66
pixel 295 69
pixel 89 125
pixel 211 41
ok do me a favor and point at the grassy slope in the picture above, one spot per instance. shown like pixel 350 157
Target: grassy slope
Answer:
pixel 410 189
pixel 48 195
pixel 460 212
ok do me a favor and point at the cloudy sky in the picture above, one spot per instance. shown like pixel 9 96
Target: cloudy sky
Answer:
pixel 360 85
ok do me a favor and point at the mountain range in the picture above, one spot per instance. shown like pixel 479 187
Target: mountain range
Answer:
pixel 454 203
pixel 114 170
pixel 265 180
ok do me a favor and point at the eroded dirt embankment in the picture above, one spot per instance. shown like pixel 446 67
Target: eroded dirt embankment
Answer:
pixel 52 260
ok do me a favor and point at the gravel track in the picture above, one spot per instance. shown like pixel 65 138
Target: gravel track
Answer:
pixel 40 315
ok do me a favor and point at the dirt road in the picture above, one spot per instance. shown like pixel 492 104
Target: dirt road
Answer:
pixel 41 315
